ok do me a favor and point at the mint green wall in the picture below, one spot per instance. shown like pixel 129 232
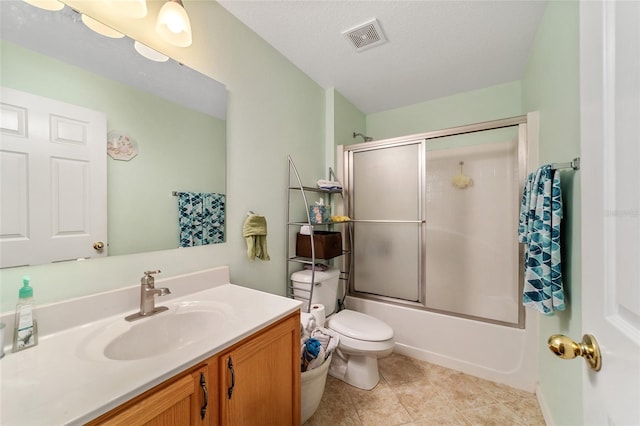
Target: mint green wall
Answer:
pixel 347 119
pixel 142 214
pixel 486 104
pixel 551 86
pixel 273 110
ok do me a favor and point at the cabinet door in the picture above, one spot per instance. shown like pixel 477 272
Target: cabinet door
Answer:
pixel 182 401
pixel 260 377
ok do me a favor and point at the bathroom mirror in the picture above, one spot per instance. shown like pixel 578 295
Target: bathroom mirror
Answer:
pixel 174 115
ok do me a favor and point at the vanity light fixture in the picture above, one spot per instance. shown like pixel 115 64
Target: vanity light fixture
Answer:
pixel 100 28
pixel 149 53
pixel 173 24
pixel 135 9
pixel 46 4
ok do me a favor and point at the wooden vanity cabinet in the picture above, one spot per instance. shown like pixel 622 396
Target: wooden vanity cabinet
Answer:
pixel 256 381
pixel 181 400
pixel 260 377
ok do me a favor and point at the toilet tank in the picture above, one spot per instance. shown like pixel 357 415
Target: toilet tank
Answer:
pixel 325 291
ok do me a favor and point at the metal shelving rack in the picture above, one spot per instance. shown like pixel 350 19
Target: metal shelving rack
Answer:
pixel 292 258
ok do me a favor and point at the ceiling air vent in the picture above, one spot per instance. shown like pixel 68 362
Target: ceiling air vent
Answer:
pixel 365 36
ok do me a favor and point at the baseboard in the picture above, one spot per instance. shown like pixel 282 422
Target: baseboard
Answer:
pixel 544 407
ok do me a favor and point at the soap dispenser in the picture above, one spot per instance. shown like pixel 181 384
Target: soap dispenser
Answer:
pixel 26 328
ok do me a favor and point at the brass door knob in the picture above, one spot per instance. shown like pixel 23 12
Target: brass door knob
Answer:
pixel 565 348
pixel 98 245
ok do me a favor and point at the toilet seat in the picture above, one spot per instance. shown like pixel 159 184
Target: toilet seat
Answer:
pixel 358 326
pixel 365 347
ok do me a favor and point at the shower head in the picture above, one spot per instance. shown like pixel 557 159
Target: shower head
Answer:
pixel 365 137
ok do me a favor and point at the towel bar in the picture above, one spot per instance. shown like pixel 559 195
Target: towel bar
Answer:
pixel 573 164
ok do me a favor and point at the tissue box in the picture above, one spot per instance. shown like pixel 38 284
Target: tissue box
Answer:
pixel 327 244
pixel 320 214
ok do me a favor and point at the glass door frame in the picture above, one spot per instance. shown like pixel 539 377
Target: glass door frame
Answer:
pixel 345 161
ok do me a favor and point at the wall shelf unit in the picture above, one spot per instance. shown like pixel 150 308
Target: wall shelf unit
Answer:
pixel 296 219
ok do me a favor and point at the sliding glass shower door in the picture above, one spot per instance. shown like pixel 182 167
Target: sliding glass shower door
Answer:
pixel 386 201
pixel 436 219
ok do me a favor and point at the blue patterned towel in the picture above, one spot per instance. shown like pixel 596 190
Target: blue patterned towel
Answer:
pixel 201 218
pixel 311 350
pixel 539 230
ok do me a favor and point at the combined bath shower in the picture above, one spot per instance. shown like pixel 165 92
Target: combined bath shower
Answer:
pixel 365 137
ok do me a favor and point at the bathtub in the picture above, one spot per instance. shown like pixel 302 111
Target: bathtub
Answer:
pixel 498 353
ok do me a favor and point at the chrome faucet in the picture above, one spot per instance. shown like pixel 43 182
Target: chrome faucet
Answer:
pixel 147 300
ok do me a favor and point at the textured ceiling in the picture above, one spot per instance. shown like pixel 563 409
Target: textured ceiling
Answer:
pixel 434 48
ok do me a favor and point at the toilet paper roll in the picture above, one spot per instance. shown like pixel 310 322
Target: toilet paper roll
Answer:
pixel 305 230
pixel 318 313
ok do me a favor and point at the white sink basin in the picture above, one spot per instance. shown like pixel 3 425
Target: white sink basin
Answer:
pixel 183 324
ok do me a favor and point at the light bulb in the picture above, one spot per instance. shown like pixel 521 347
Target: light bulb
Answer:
pixel 149 53
pixel 173 24
pixel 100 28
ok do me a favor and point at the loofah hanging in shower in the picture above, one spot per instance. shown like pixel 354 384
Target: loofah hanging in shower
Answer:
pixel 461 181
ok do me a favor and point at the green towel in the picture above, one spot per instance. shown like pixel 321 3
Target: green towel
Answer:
pixel 255 233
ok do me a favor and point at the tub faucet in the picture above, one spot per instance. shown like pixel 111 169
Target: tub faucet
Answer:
pixel 147 300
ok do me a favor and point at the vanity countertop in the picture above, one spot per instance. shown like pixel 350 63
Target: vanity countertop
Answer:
pixel 63 380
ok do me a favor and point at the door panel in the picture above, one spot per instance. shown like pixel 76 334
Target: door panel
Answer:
pixel 387 207
pixel 610 107
pixel 54 188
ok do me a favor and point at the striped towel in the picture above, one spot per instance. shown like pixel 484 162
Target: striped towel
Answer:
pixel 539 231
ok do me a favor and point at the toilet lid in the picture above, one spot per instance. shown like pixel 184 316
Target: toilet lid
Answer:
pixel 360 326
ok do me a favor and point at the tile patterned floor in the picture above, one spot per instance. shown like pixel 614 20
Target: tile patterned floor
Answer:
pixel 413 392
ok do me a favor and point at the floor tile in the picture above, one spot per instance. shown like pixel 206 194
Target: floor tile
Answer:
pixel 399 369
pixel 492 415
pixel 504 393
pixel 418 393
pixel 334 385
pixel 422 400
pixel 380 406
pixel 335 410
pixel 529 410
pixel 437 374
pixel 466 393
pixel 453 419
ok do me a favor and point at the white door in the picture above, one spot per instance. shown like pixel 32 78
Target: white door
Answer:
pixel 53 180
pixel 610 171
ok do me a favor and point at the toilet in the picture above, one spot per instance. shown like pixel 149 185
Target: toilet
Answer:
pixel 363 338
